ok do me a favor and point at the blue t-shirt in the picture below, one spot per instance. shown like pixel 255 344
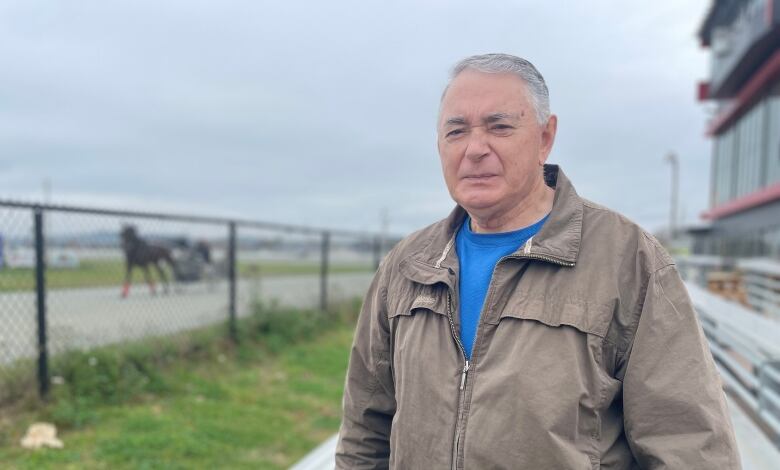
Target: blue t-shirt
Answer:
pixel 478 254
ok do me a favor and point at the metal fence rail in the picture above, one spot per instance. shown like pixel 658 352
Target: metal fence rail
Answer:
pixel 762 283
pixel 697 268
pixel 63 281
pixel 758 277
pixel 746 349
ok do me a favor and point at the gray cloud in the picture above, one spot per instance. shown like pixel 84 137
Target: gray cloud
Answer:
pixel 323 112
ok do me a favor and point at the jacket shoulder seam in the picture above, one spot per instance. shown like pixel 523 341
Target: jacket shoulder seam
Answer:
pixel 593 205
pixel 660 256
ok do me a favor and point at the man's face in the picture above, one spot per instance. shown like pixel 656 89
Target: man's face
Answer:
pixel 490 143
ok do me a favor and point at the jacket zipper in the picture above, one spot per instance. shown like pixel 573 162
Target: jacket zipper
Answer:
pixel 487 296
pixel 464 373
pixel 541 257
pixel 466 363
pixel 490 288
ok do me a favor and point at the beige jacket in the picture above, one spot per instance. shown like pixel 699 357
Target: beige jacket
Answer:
pixel 588 355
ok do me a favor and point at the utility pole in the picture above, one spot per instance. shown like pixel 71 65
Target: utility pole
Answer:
pixel 672 159
pixel 47 201
pixel 47 190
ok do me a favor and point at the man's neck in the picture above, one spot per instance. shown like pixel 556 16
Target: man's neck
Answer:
pixel 532 209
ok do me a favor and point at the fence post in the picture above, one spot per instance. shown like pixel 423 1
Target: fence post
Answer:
pixel 324 271
pixel 232 281
pixel 40 291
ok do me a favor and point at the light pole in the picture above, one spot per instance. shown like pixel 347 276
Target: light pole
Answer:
pixel 671 157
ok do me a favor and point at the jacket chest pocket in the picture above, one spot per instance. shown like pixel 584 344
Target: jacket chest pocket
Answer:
pixel 422 298
pixel 413 323
pixel 542 363
pixel 424 355
pixel 583 315
pixel 410 325
pixel 556 333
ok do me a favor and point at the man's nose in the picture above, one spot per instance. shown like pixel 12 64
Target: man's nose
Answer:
pixel 477 146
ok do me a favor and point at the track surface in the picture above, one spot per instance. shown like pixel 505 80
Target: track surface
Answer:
pixel 82 318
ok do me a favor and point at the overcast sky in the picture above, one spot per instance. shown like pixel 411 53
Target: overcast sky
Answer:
pixel 324 112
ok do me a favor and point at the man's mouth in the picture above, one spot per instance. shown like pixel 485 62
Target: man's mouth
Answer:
pixel 479 177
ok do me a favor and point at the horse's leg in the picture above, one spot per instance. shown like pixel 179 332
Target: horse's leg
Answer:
pixel 149 280
pixel 128 276
pixel 163 277
pixel 172 264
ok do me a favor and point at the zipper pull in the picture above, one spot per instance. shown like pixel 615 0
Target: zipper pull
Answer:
pixel 463 375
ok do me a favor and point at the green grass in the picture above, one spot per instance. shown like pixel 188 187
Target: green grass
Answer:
pixel 277 268
pixel 89 273
pixel 263 404
pixel 111 273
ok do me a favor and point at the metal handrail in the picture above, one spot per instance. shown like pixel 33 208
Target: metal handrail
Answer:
pixel 746 349
pixel 761 277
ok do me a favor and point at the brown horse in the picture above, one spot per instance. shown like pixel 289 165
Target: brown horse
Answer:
pixel 140 253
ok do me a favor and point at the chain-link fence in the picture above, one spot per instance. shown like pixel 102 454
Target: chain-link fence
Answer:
pixel 80 278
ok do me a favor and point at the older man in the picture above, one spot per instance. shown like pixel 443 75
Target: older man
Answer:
pixel 531 328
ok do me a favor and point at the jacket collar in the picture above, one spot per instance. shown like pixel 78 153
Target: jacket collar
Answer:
pixel 557 242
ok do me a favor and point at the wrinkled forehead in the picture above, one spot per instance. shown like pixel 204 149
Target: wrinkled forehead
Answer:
pixel 474 94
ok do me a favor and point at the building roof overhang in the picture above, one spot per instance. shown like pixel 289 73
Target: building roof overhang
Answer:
pixel 720 11
pixel 764 77
pixel 763 196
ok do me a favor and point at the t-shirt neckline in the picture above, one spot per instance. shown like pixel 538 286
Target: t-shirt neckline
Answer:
pixel 500 238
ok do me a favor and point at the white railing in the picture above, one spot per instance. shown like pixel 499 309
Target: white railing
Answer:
pixel 696 268
pixel 761 277
pixel 746 348
pixel 321 458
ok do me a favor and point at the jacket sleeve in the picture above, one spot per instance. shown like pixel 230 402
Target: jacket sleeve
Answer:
pixel 673 402
pixel 369 393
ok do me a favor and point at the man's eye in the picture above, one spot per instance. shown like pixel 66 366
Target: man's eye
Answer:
pixel 501 127
pixel 454 132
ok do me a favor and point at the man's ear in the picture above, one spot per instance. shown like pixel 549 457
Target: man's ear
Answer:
pixel 548 138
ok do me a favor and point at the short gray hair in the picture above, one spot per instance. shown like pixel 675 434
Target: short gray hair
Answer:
pixel 506 63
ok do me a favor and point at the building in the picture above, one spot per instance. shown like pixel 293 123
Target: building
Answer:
pixel 743 37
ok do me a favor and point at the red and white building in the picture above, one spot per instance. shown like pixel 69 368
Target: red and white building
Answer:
pixel 743 37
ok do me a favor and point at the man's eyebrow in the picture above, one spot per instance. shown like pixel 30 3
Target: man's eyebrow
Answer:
pixel 456 121
pixel 490 118
pixel 500 117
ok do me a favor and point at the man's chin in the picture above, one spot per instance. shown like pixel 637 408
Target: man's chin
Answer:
pixel 478 202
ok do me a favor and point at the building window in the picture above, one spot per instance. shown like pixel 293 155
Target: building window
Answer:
pixel 772 240
pixel 725 154
pixel 773 137
pixel 746 156
pixel 749 154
